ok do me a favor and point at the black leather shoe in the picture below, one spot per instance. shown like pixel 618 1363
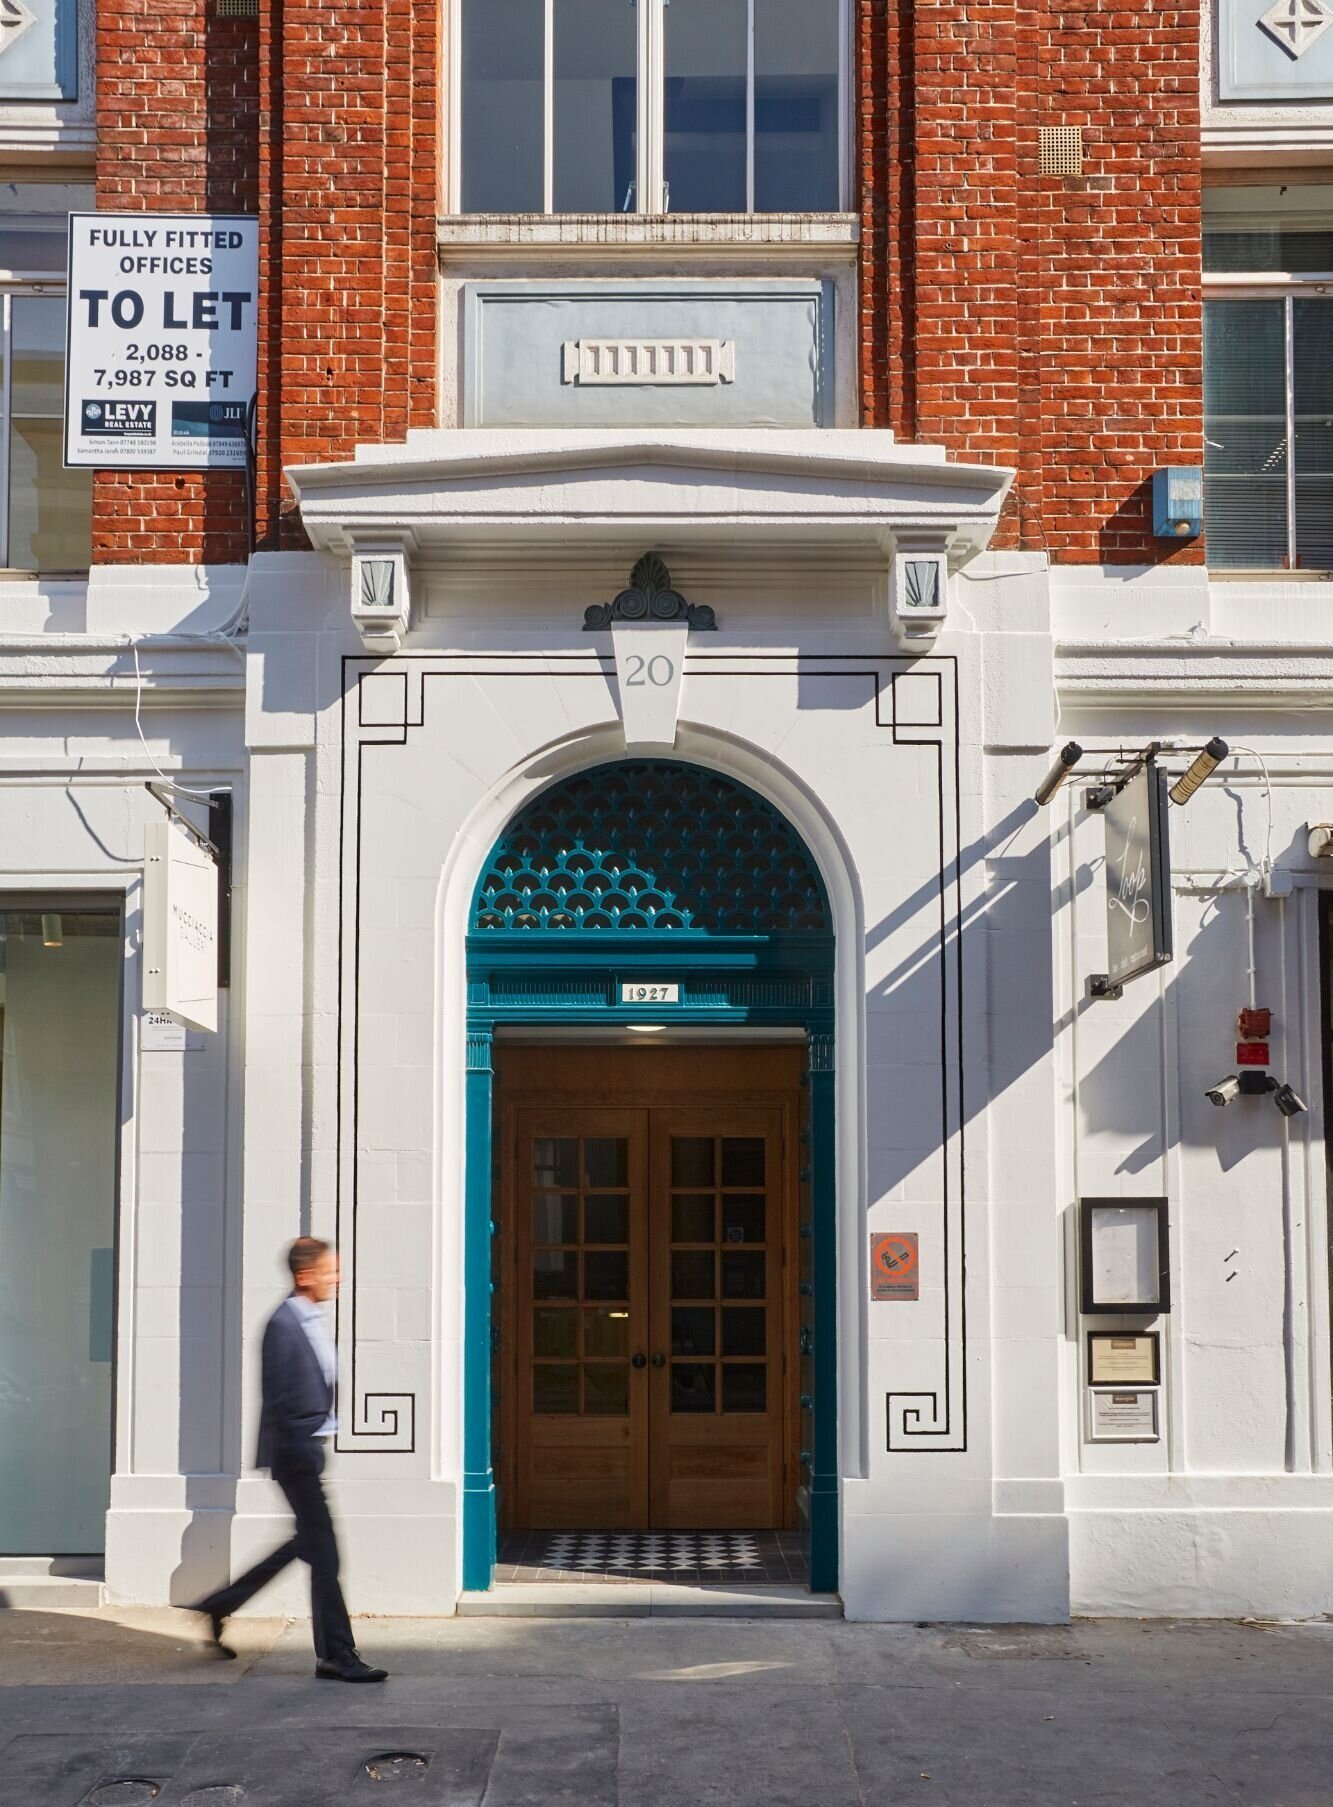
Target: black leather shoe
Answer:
pixel 215 1622
pixel 348 1668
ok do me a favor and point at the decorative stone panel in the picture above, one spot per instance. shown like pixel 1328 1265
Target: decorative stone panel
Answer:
pixel 39 50
pixel 1275 50
pixel 673 352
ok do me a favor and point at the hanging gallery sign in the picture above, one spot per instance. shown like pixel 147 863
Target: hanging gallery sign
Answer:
pixel 180 926
pixel 161 337
pixel 1138 878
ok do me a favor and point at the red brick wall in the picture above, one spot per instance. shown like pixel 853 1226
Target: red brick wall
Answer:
pixel 353 356
pixel 1051 323
pixel 323 119
pixel 176 129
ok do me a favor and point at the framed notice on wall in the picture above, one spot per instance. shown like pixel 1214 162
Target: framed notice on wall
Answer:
pixel 1124 1256
pixel 1122 1415
pixel 1124 1358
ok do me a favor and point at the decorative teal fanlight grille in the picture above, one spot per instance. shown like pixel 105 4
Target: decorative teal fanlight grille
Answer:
pixel 651 844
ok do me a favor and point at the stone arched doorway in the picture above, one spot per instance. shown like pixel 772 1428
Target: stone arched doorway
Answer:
pixel 650 1249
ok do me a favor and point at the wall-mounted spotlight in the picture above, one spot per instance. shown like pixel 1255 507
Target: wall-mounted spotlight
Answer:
pixel 1205 764
pixel 1067 758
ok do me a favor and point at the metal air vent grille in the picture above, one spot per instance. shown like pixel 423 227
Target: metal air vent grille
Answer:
pixel 1061 150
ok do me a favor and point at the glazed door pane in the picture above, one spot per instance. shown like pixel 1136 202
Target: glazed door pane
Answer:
pixel 581 1313
pixel 654 1314
pixel 717 1219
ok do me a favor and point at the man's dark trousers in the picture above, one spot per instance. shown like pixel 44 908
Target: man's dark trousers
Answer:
pixel 315 1544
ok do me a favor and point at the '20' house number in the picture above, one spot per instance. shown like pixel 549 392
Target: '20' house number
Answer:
pixel 650 994
pixel 658 671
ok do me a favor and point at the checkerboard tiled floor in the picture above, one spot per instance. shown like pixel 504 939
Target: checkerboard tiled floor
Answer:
pixel 692 1558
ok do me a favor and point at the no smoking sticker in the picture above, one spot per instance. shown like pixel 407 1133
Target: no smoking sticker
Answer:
pixel 894 1270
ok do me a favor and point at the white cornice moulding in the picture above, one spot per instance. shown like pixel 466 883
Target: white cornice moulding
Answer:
pixel 744 236
pixel 479 487
pixel 1238 676
pixel 1261 144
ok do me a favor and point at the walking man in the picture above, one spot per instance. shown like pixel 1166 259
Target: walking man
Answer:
pixel 299 1379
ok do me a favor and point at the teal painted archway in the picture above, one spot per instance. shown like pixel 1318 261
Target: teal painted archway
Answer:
pixel 637 871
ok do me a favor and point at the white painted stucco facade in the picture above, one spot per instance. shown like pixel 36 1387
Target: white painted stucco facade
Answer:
pixel 978 1494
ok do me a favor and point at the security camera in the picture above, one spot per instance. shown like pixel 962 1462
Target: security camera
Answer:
pixel 1225 1090
pixel 1288 1102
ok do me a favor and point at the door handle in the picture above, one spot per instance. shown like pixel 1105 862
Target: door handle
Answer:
pixel 659 1361
pixel 638 1361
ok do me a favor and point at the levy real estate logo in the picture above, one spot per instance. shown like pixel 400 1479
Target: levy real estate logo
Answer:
pixel 119 419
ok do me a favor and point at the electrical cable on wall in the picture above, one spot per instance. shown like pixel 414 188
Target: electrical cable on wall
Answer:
pixel 224 635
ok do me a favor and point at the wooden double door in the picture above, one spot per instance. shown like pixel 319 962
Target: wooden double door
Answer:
pixel 648 1298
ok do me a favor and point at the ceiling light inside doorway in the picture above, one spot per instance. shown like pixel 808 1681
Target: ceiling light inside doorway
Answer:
pixel 52 931
pixel 645 1028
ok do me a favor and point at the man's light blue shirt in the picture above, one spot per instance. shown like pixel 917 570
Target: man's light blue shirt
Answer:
pixel 314 1324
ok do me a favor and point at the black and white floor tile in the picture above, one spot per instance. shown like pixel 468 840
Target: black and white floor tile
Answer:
pixel 694 1558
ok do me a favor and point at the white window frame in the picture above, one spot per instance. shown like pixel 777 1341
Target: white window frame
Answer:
pixel 649 179
pixel 1275 285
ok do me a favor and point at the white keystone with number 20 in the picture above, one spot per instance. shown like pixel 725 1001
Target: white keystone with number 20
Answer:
pixel 650 661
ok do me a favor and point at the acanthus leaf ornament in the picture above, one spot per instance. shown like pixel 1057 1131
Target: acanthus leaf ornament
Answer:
pixel 649 597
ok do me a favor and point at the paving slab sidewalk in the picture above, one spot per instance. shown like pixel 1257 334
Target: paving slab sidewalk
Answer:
pixel 119 1708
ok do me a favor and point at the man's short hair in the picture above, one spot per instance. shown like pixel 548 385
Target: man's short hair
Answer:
pixel 306 1252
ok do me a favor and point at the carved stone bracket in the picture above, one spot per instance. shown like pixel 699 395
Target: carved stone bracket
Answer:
pixel 650 598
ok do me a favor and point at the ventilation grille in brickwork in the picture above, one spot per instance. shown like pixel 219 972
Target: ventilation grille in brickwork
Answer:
pixel 1061 150
pixel 650 844
pixel 236 9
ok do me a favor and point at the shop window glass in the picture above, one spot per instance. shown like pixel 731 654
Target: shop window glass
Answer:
pixel 1268 378
pixel 1268 433
pixel 49 513
pixel 1285 229
pixel 504 79
pixel 739 103
pixel 796 106
pixel 704 106
pixel 45 510
pixel 594 82
pixel 60 977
